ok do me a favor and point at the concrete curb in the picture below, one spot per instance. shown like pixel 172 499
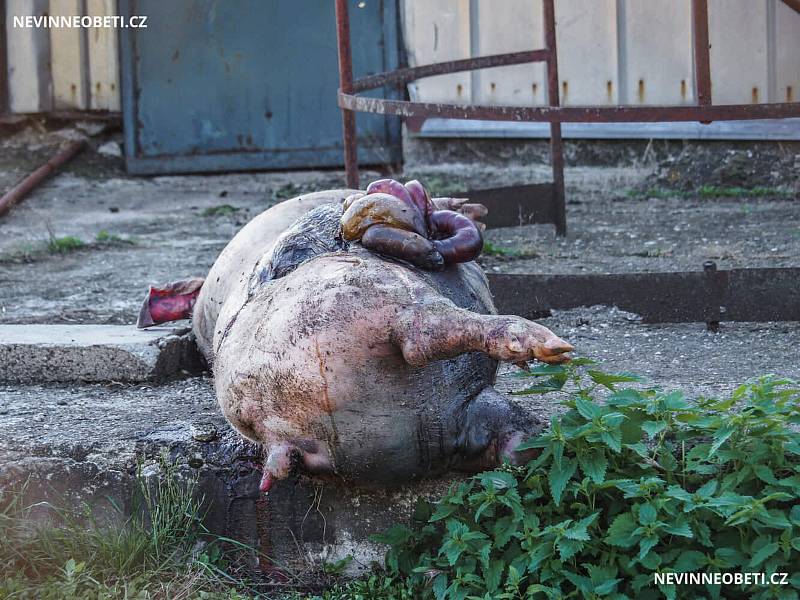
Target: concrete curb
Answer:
pixel 93 353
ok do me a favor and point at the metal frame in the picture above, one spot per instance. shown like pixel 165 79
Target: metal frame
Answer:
pixel 705 112
pixel 710 295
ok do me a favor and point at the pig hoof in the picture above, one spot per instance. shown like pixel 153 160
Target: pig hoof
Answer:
pixel 169 302
pixel 518 340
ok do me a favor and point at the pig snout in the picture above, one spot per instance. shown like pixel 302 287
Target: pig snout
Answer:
pixel 487 431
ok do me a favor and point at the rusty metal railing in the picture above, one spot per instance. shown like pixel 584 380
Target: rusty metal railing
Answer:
pixel 704 111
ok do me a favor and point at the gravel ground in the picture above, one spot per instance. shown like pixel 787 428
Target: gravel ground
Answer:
pixel 166 228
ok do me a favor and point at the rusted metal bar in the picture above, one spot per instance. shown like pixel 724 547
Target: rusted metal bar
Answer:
pixel 24 187
pixel 793 4
pixel 403 76
pixel 346 87
pixel 769 294
pixel 572 114
pixel 717 289
pixel 556 143
pixel 702 62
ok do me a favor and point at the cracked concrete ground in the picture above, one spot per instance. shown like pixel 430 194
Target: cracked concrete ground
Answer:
pixel 138 231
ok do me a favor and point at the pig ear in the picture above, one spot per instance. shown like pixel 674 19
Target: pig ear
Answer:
pixel 169 302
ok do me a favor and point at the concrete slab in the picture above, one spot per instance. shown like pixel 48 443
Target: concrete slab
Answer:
pixel 50 353
pixel 79 446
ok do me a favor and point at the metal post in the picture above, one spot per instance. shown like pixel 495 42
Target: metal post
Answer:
pixel 346 86
pixel 714 316
pixel 556 144
pixel 702 63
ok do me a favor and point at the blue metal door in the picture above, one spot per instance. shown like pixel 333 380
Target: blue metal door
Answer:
pixel 219 85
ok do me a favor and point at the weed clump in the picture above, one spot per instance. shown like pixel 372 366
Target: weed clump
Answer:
pixel 223 210
pixel 632 481
pixel 162 551
pixel 65 244
pixel 104 238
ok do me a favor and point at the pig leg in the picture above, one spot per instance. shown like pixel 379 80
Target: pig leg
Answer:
pixel 438 329
pixel 169 302
pixel 282 457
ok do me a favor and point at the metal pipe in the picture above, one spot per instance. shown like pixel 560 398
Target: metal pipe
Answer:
pixel 702 62
pixel 793 4
pixel 346 87
pixel 556 143
pixel 24 187
pixel 572 114
pixel 403 76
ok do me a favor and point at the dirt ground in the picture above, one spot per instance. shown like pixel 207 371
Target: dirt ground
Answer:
pixel 85 245
pixel 136 231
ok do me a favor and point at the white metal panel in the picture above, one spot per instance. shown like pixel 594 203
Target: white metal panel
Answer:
pixel 738 38
pixel 68 58
pixel 787 54
pixel 436 31
pixel 103 59
pixel 586 33
pixel 510 26
pixel 656 52
pixel 28 55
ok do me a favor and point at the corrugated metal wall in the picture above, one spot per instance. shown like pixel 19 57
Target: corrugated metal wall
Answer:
pixel 61 68
pixel 609 51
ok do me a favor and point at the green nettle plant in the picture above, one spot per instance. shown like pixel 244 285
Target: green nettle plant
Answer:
pixel 642 482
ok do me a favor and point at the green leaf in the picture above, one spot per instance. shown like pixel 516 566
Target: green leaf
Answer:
pixel 396 535
pixel 605 588
pixel 774 519
pixel 440 586
pixel 609 379
pixel 559 476
pixel 568 548
pixel 675 401
pixel 443 510
pixel 680 528
pixel 646 544
pixel 653 428
pixel 689 561
pixel 708 489
pixel 498 480
pixel 588 409
pixel 647 514
pixel 612 439
pixel 763 554
pixel 594 464
pixel 493 575
pixel 765 474
pixel 627 397
pixel 721 435
pixel 620 532
pixel 504 529
pixel 794 516
pixel 538 554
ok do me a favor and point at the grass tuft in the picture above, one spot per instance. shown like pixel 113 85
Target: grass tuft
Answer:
pixel 65 244
pixel 223 210
pixel 162 551
pixel 105 238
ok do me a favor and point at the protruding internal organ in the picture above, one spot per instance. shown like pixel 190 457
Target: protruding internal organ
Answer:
pixel 403 222
pixel 169 302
